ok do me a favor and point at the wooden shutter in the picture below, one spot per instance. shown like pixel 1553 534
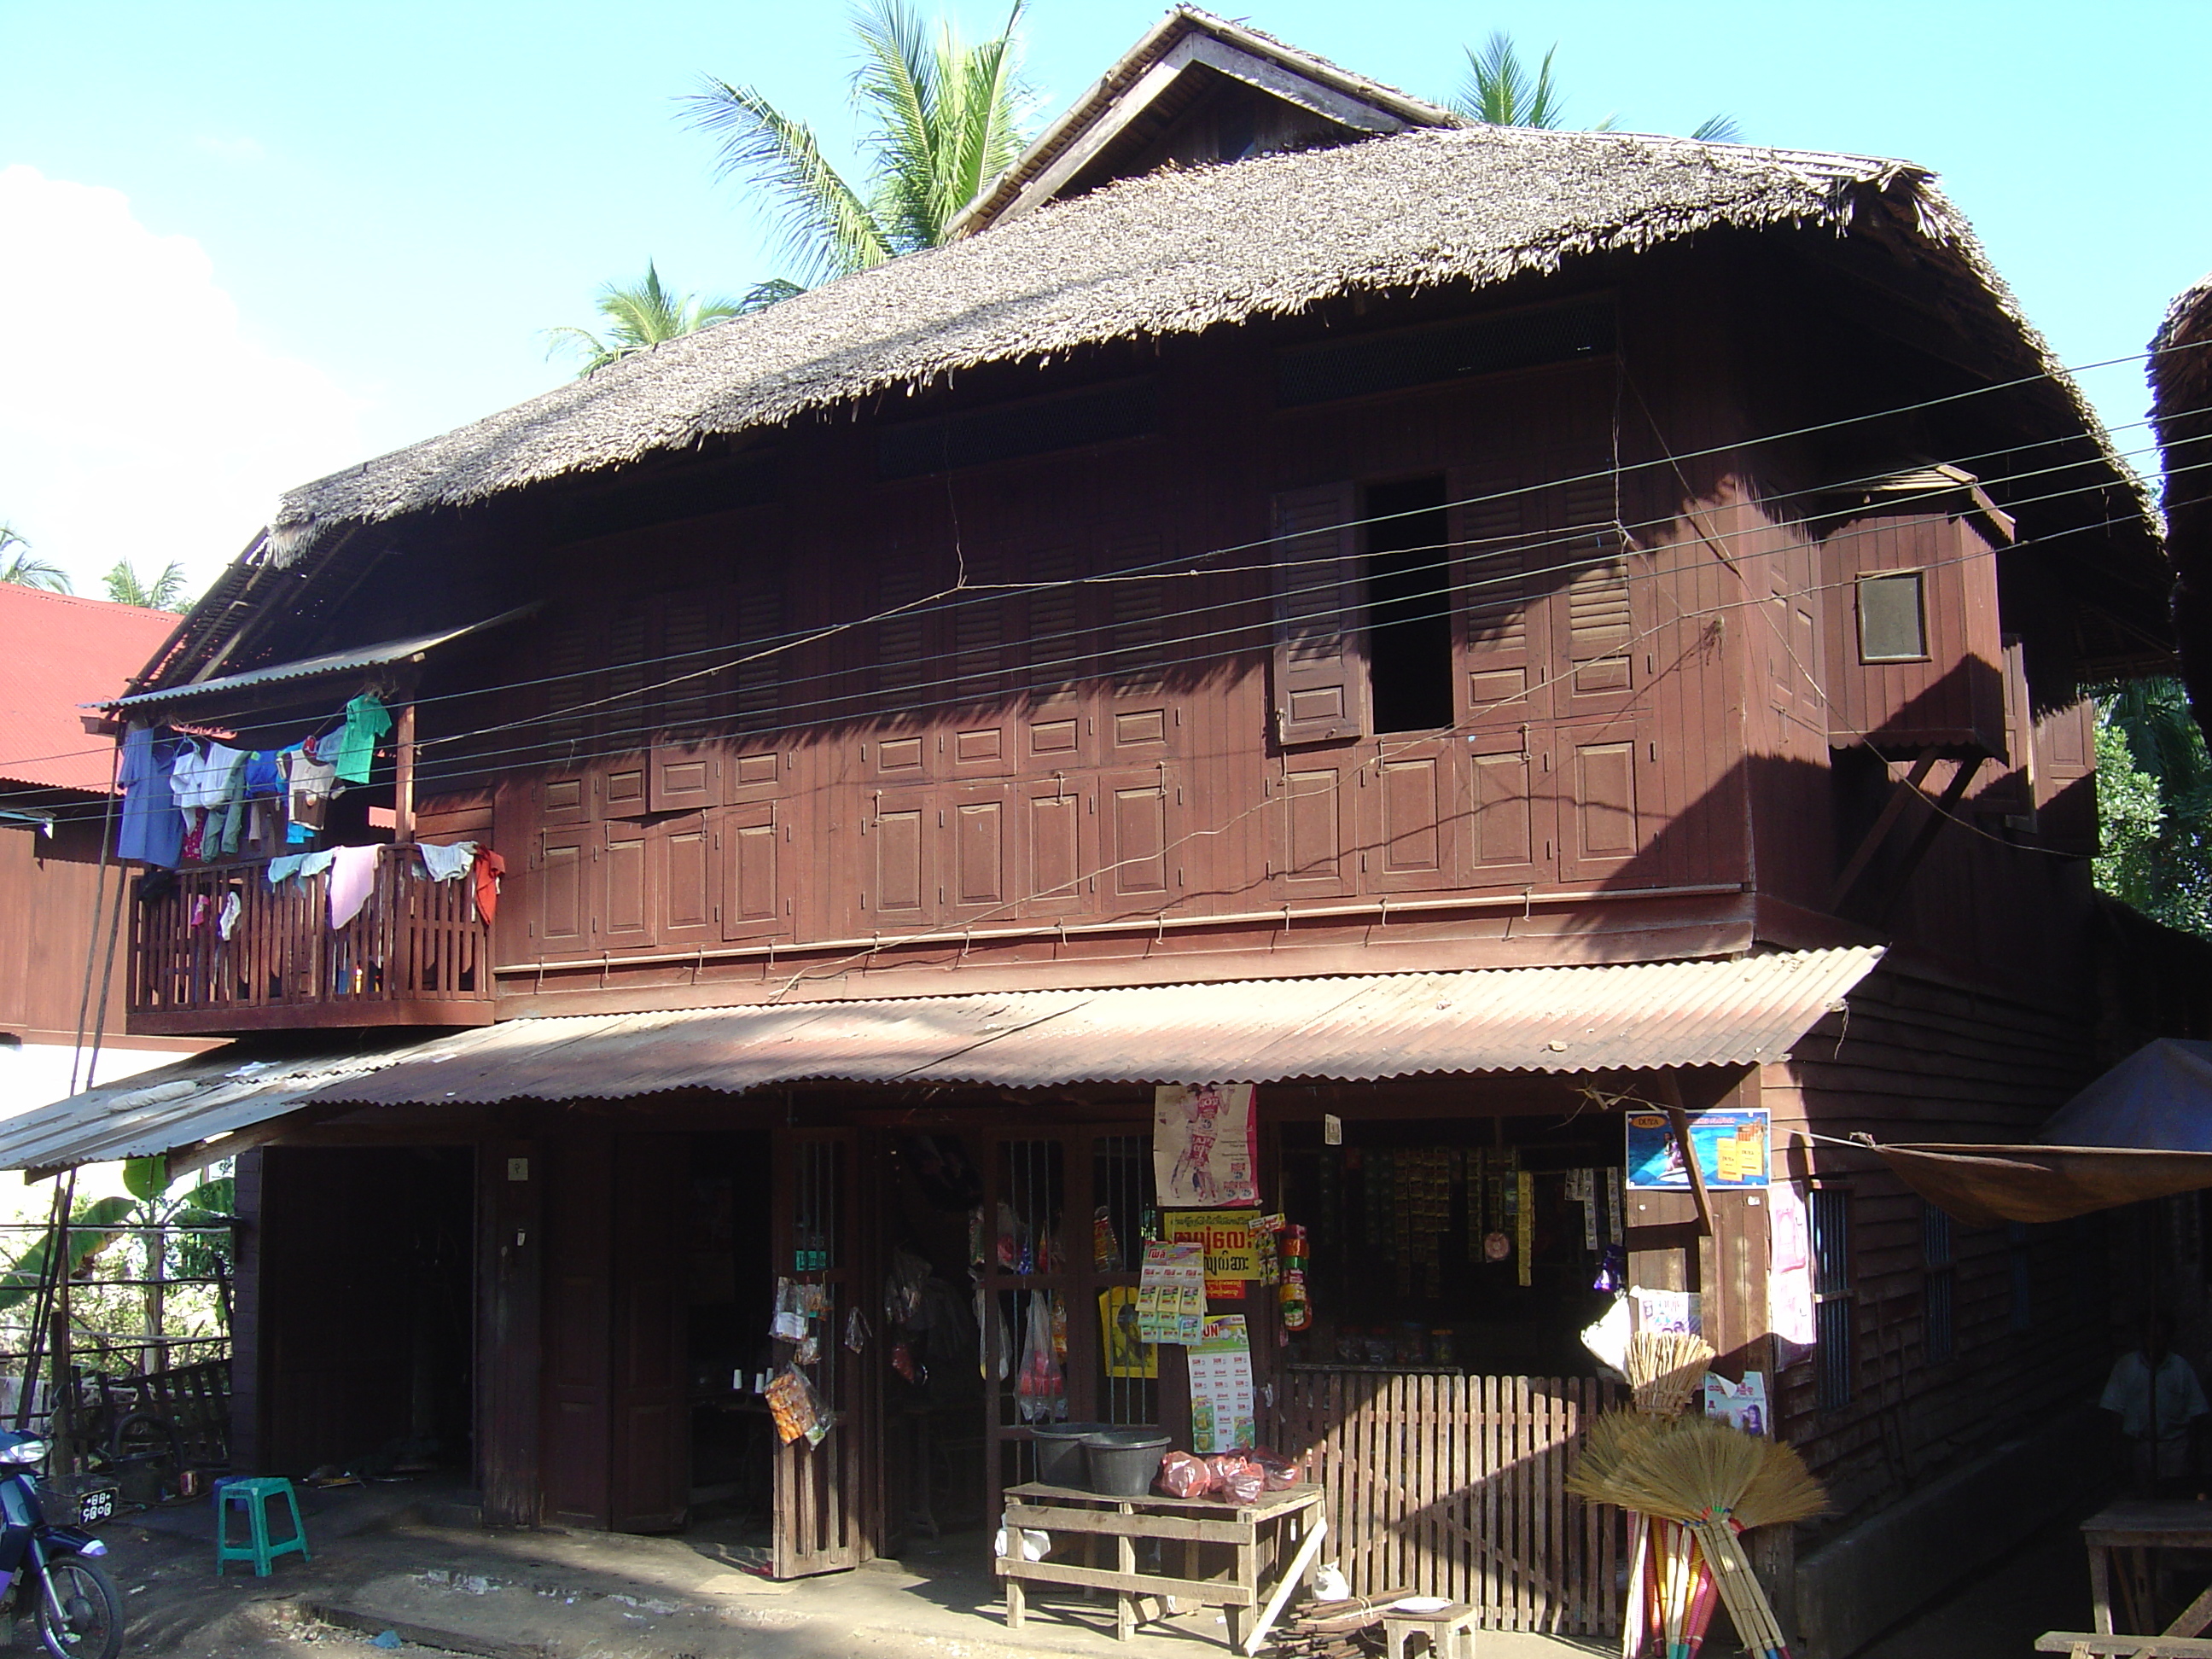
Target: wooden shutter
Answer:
pixel 1320 669
pixel 1600 629
pixel 1495 523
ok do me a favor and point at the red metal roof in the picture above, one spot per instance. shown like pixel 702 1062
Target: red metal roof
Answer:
pixel 57 651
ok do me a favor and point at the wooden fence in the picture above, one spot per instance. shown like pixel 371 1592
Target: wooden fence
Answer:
pixel 1454 1486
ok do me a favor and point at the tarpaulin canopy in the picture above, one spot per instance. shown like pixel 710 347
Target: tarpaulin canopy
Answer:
pixel 2143 1130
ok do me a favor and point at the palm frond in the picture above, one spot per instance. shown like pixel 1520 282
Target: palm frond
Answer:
pixel 1500 92
pixel 825 229
pixel 1543 107
pixel 23 568
pixel 761 295
pixel 1718 129
pixel 639 315
pixel 987 137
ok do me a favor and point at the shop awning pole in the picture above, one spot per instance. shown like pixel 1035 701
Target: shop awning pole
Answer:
pixel 1679 1117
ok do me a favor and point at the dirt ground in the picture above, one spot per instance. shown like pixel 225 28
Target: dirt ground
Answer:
pixel 384 1571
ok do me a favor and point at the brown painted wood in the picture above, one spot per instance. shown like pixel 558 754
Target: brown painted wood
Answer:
pixel 577 1427
pixel 511 1180
pixel 648 1413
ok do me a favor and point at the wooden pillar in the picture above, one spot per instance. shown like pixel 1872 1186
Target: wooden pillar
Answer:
pixel 248 1431
pixel 403 776
pixel 509 1185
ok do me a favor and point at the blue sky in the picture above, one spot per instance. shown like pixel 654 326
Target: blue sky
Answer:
pixel 247 243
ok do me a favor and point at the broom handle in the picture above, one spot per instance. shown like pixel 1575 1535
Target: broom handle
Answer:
pixel 1756 1621
pixel 1748 1626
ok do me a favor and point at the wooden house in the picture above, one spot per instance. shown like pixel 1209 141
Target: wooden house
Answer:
pixel 59 899
pixel 1480 632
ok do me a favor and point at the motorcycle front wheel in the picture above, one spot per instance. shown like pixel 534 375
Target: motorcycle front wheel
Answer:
pixel 89 1624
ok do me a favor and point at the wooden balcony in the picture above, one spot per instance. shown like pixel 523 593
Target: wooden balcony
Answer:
pixel 416 954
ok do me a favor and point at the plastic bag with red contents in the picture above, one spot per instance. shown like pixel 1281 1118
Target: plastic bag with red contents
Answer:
pixel 1182 1475
pixel 1237 1477
pixel 1281 1473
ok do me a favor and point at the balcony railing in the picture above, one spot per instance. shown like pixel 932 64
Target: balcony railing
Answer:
pixel 416 954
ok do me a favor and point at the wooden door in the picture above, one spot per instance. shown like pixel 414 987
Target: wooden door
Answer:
pixel 648 1416
pixel 574 1408
pixel 826 1515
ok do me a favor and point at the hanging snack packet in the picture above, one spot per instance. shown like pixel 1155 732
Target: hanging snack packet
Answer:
pixel 796 1407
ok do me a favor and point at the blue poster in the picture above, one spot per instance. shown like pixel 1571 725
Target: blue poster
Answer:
pixel 1732 1147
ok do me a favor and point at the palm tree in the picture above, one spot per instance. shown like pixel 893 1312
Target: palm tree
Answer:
pixel 165 592
pixel 1500 92
pixel 22 567
pixel 944 121
pixel 639 315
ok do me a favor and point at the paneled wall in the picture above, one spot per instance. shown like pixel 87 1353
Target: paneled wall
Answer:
pixel 1022 694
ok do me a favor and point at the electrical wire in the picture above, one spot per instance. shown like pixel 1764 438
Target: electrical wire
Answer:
pixel 848 707
pixel 1081 665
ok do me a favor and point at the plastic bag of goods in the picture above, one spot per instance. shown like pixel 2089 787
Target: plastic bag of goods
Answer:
pixel 1182 1475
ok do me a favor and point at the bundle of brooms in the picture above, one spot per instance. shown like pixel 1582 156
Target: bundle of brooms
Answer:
pixel 1665 1368
pixel 1700 1483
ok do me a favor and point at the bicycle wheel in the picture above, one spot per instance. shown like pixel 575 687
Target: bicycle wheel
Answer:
pixel 90 1622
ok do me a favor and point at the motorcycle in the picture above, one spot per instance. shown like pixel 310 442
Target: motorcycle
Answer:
pixel 70 1596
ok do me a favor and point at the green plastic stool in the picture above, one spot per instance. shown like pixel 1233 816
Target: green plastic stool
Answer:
pixel 254 1492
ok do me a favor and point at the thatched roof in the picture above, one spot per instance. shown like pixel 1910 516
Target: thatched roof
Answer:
pixel 1176 252
pixel 2181 412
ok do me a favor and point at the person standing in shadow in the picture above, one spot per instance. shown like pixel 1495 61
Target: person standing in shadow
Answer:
pixel 2155 1394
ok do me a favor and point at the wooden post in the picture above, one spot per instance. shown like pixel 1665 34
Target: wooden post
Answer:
pixel 61 1422
pixel 403 776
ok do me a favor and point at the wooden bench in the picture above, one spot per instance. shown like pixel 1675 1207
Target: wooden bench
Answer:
pixel 1237 1557
pixel 2092 1644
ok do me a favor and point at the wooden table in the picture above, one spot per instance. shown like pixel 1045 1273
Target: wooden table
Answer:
pixel 2129 1534
pixel 1242 1557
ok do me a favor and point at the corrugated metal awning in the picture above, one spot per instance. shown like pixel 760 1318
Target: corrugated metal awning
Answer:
pixel 196 1100
pixel 1359 1029
pixel 309 668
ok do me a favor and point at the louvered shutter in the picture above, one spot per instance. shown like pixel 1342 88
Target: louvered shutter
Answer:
pixel 1320 668
pixel 1599 624
pixel 1496 527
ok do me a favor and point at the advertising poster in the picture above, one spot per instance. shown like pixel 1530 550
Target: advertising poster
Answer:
pixel 1172 1293
pixel 1231 1247
pixel 1126 1350
pixel 1223 1415
pixel 1731 1146
pixel 1205 1153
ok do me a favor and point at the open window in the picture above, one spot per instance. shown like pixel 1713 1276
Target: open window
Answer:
pixel 1408 606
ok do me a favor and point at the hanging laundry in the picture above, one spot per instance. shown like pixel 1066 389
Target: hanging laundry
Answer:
pixel 313 864
pixel 203 776
pixel 365 723
pixel 265 774
pixel 281 870
pixel 227 918
pixel 448 863
pixel 311 782
pixel 489 869
pixel 353 875
pixel 153 829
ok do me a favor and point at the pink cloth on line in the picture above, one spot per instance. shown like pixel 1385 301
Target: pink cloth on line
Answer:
pixel 353 872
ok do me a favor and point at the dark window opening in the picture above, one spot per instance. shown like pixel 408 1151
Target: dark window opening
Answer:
pixel 1409 647
pixel 1831 1218
pixel 1939 1287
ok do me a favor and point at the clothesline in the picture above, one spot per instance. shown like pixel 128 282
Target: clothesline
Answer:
pixel 352 878
pixel 190 799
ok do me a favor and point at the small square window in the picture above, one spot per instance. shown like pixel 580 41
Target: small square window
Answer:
pixel 1892 621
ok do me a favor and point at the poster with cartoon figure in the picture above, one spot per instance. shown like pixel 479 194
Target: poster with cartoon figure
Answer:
pixel 1205 1155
